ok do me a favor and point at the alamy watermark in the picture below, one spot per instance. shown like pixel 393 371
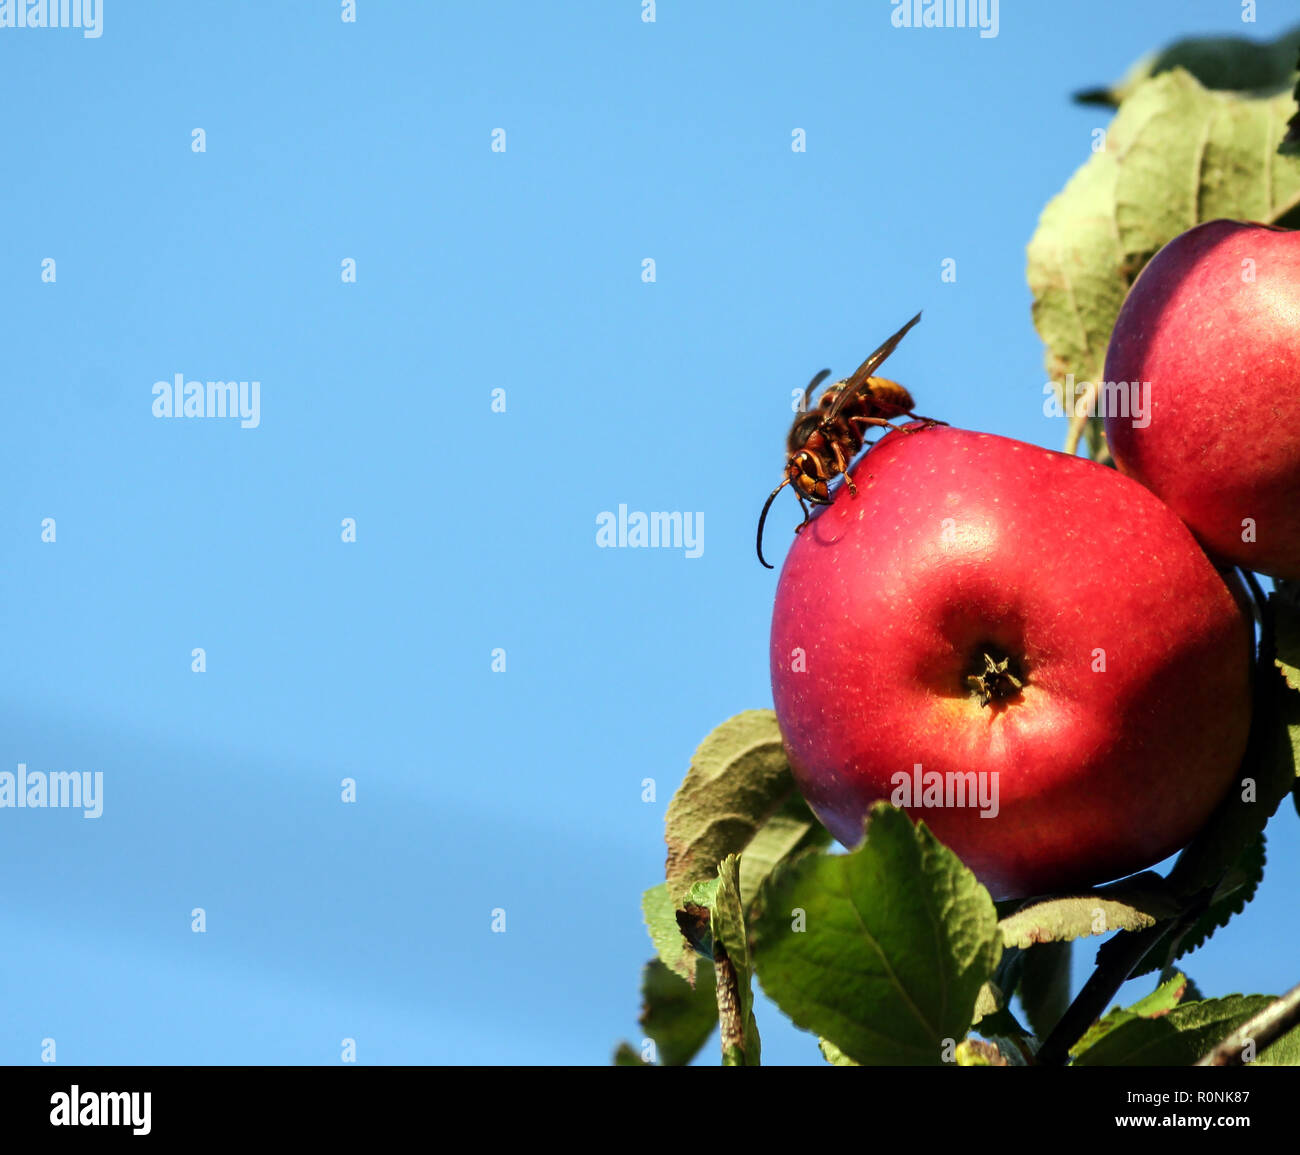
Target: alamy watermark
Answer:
pixel 1130 400
pixel 981 14
pixel 77 1108
pixel 64 789
pixel 923 789
pixel 181 398
pixel 88 15
pixel 637 530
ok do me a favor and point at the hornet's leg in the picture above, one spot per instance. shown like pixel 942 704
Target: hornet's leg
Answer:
pixel 842 462
pixel 842 466
pixel 807 513
pixel 868 422
pixel 930 422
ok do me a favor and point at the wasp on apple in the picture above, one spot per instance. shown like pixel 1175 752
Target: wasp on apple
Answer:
pixel 824 440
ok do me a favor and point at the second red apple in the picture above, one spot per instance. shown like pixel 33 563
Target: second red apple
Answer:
pixel 1209 338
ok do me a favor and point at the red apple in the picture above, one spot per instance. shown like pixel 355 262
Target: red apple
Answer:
pixel 1039 622
pixel 1213 325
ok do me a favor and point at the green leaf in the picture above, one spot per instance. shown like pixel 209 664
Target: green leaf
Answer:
pixel 974 1053
pixel 1286 624
pixel 628 1056
pixel 881 951
pixel 1291 142
pixel 1163 999
pixel 1074 269
pixel 790 831
pixel 1286 610
pixel 678 1017
pixel 1185 1034
pixel 1159 1002
pixel 702 894
pixel 1230 898
pixel 1230 63
pixel 1283 1052
pixel 1188 155
pixel 660 914
pixel 1017 1051
pixel 739 778
pixel 988 1002
pixel 694 919
pixel 1134 904
pixel 1045 985
pixel 1192 994
pixel 833 1055
pixel 1000 1026
pixel 993 1017
pixel 735 1006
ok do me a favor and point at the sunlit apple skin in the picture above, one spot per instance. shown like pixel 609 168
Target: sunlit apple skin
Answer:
pixel 958 542
pixel 1222 354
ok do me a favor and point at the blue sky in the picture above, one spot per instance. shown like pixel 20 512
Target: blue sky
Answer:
pixel 475 530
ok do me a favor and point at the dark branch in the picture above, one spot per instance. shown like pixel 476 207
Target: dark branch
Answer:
pixel 1270 1024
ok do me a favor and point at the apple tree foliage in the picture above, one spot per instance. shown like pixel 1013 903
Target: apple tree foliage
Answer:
pixel 894 953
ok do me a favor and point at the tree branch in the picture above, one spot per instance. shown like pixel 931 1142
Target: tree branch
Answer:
pixel 728 995
pixel 1098 991
pixel 1270 1024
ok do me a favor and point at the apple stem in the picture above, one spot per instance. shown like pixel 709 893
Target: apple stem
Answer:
pixel 1079 423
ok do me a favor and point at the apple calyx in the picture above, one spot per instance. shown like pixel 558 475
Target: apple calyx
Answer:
pixel 997 681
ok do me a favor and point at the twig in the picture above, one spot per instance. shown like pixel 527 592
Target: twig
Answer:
pixel 731 1025
pixel 1098 991
pixel 1271 1023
